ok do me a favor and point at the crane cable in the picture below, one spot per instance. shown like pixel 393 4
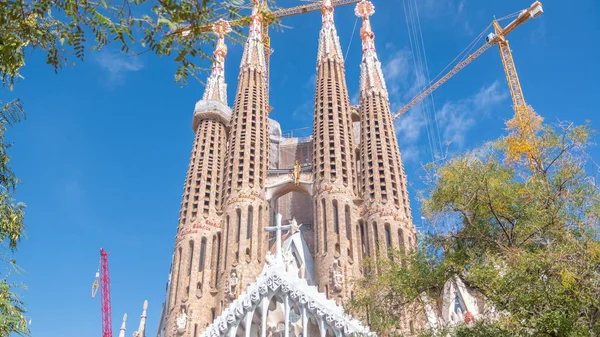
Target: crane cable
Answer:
pixel 351 38
pixel 435 122
pixel 415 48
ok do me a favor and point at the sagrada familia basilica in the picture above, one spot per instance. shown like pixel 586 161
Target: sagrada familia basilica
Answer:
pixel 273 230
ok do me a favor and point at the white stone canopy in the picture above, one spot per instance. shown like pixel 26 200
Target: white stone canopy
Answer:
pixel 280 303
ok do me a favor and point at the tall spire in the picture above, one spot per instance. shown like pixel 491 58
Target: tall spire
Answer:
pixel 254 55
pixel 371 76
pixel 122 331
pixel 329 41
pixel 141 332
pixel 216 88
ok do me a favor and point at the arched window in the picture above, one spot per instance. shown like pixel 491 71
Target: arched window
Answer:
pixel 261 234
pixel 388 236
pixel 176 288
pixel 363 241
pixel 249 226
pixel 336 220
pixel 349 232
pixel 238 212
pixel 401 239
pixel 217 251
pixel 202 255
pixel 324 212
pixel 376 237
pixel 191 255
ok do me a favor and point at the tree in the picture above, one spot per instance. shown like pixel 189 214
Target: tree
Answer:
pixel 12 312
pixel 524 236
pixel 65 30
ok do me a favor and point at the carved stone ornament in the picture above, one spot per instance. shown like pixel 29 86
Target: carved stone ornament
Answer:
pixel 181 322
pixel 232 285
pixel 337 277
pixel 288 260
pixel 270 259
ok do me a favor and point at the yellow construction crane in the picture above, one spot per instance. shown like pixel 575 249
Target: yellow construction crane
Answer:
pixel 525 122
pixel 268 18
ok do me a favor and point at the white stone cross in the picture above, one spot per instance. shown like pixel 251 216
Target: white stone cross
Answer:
pixel 278 228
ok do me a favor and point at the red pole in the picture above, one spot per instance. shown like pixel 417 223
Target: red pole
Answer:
pixel 105 295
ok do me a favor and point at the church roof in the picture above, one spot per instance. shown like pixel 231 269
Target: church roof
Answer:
pixel 276 280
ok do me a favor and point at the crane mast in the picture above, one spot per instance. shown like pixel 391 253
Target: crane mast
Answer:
pixel 105 304
pixel 525 121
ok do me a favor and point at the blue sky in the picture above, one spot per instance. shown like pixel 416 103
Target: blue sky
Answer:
pixel 104 151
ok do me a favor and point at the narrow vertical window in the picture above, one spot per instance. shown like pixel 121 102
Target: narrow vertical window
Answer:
pixel 249 225
pixel 363 245
pixel 216 270
pixel 401 239
pixel 317 227
pixel 176 288
pixel 336 221
pixel 226 240
pixel 388 236
pixel 348 232
pixel 202 254
pixel 324 211
pixel 191 255
pixel 239 224
pixel 261 234
pixel 376 237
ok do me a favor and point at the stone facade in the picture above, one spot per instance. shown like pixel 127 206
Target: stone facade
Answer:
pixel 343 190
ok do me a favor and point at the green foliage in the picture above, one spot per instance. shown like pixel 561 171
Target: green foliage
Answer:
pixel 523 236
pixel 12 312
pixel 66 29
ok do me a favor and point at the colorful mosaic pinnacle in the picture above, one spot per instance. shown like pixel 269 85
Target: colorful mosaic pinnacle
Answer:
pixel 220 28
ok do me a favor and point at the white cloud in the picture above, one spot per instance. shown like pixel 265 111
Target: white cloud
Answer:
pixel 397 72
pixel 118 64
pixel 453 120
pixel 453 10
pixel 304 112
pixel 409 126
pixel 488 96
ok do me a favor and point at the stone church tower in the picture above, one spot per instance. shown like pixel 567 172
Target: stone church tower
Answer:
pixel 341 194
pixel 333 163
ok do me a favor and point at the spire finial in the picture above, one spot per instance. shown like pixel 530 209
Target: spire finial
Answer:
pixel 256 25
pixel 141 332
pixel 220 28
pixel 216 89
pixel 254 53
pixel 371 76
pixel 329 42
pixel 327 12
pixel 365 9
pixel 122 331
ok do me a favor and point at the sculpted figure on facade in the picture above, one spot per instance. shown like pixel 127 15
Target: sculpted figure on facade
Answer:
pixel 337 277
pixel 181 322
pixel 232 285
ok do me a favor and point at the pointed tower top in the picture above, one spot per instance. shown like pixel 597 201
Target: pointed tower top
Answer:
pixel 365 9
pixel 329 41
pixel 371 76
pixel 141 332
pixel 216 89
pixel 255 26
pixel 122 331
pixel 254 55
